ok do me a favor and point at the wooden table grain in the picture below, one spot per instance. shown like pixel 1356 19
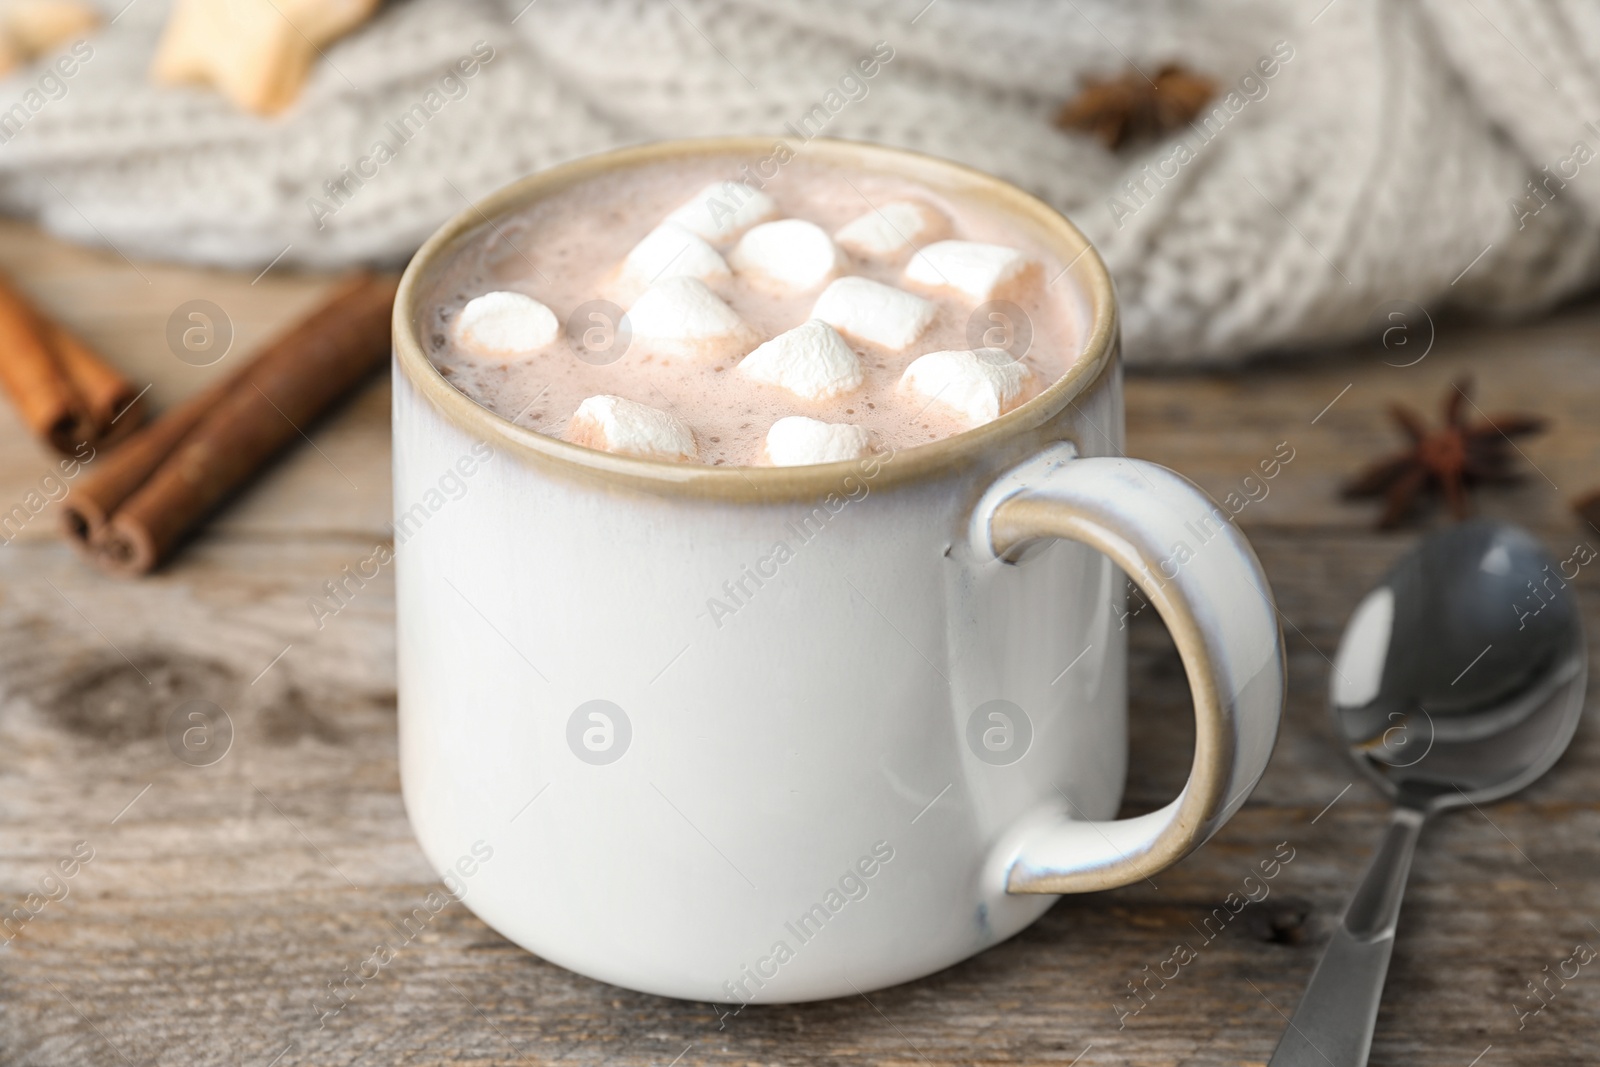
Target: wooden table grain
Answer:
pixel 209 908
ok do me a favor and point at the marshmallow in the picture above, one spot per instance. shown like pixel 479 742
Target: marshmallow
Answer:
pixel 669 251
pixel 682 316
pixel 980 385
pixel 723 210
pixel 797 440
pixel 976 269
pixel 790 254
pixel 871 311
pixel 613 424
pixel 888 230
pixel 811 361
pixel 505 325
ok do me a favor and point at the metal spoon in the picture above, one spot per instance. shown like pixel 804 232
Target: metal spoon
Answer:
pixel 1459 680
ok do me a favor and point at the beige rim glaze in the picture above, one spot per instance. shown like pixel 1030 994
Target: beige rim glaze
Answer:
pixel 1085 269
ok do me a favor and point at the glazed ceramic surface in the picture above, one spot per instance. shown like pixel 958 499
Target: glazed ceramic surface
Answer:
pixel 785 734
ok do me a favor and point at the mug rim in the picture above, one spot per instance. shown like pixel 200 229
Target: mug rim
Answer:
pixel 742 483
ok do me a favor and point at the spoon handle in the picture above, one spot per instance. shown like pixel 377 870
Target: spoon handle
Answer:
pixel 1333 1025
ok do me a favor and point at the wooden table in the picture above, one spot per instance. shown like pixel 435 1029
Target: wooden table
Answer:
pixel 220 900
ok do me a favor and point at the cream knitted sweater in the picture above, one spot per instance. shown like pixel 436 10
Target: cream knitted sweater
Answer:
pixel 1439 151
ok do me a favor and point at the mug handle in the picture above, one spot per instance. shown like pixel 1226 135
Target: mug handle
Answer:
pixel 1193 564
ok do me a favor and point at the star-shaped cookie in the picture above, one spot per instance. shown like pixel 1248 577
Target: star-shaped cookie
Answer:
pixel 257 53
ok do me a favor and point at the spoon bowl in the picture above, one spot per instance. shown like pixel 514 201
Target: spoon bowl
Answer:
pixel 1460 678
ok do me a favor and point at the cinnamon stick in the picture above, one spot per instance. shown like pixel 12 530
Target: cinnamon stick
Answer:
pixel 114 477
pixel 39 387
pixel 134 511
pixel 65 393
pixel 108 399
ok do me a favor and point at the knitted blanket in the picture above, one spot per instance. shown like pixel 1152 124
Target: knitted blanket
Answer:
pixel 1361 151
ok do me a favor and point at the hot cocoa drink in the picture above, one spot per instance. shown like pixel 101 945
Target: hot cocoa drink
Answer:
pixel 679 312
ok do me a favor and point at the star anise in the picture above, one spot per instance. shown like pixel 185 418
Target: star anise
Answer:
pixel 1134 107
pixel 1449 460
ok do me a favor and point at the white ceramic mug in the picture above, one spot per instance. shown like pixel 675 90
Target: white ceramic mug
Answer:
pixel 889 745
